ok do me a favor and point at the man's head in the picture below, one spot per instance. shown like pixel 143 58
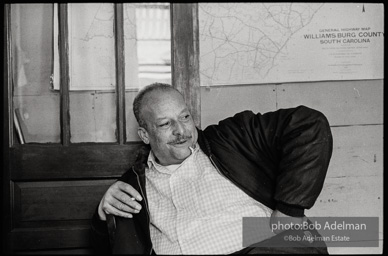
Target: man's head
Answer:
pixel 165 123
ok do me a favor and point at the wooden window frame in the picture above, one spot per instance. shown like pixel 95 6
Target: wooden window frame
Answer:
pixel 185 67
pixel 66 161
pixel 7 132
pixel 185 73
pixel 185 56
pixel 185 64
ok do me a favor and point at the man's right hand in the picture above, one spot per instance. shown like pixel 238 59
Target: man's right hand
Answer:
pixel 121 200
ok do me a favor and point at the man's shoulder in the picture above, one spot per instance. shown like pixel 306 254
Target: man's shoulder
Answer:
pixel 138 166
pixel 228 122
pixel 240 117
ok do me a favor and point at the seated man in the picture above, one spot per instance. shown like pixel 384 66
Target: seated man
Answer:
pixel 189 189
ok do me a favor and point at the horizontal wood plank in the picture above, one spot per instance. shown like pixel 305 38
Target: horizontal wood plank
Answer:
pixel 50 238
pixel 357 151
pixel 57 200
pixel 351 196
pixel 344 196
pixel 218 103
pixel 354 183
pixel 68 251
pixel 40 162
pixel 343 102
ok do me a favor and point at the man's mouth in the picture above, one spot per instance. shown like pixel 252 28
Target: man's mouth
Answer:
pixel 180 141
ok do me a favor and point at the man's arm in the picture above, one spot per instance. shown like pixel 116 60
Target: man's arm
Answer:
pixel 305 144
pixel 293 146
pixel 121 200
pixel 296 142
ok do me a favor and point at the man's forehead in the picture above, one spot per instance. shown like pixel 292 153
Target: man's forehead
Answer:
pixel 160 95
pixel 157 102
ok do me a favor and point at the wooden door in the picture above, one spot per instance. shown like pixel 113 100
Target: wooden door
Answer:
pixel 51 188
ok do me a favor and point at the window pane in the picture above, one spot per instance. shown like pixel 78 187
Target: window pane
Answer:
pixel 147 52
pixel 36 105
pixel 92 73
pixel 92 116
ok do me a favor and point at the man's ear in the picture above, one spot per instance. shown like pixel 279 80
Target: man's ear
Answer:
pixel 143 134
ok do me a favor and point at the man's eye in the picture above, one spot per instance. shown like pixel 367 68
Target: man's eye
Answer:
pixel 186 117
pixel 164 124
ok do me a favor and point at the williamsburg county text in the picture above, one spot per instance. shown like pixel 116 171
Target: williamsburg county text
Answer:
pixel 354 35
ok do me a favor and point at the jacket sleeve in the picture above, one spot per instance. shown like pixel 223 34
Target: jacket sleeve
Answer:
pixel 304 142
pixel 99 237
pixel 99 233
pixel 298 144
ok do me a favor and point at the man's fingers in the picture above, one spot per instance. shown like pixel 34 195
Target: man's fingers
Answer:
pixel 126 203
pixel 117 212
pixel 120 200
pixel 129 190
pixel 125 208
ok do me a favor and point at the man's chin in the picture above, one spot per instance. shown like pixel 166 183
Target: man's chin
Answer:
pixel 183 153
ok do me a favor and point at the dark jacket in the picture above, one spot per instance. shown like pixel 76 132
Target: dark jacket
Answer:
pixel 279 158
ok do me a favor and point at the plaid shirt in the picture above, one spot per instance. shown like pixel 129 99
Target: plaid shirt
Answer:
pixel 196 210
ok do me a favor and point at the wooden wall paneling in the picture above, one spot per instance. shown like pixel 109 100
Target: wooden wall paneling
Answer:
pixel 50 238
pixel 350 196
pixel 343 102
pixel 185 55
pixel 354 182
pixel 64 251
pixel 356 168
pixel 357 151
pixel 59 200
pixel 219 102
pixel 46 213
pixel 120 73
pixel 39 162
pixel 64 73
pixel 6 218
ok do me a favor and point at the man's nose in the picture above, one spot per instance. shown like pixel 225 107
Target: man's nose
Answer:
pixel 179 128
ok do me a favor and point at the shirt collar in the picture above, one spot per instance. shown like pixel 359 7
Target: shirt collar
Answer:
pixel 151 162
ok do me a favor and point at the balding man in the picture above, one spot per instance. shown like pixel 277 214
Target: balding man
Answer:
pixel 189 189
